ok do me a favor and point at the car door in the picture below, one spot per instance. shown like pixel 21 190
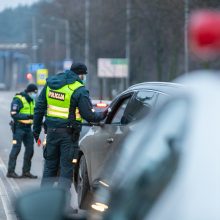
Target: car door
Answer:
pixel 98 141
pixel 139 106
pixel 103 141
pixel 142 103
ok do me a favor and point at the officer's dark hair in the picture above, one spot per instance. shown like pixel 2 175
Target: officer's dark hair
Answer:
pixel 79 68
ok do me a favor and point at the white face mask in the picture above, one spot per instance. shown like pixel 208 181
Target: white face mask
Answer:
pixel 83 78
pixel 33 95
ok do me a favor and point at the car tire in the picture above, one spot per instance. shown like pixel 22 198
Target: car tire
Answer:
pixel 83 187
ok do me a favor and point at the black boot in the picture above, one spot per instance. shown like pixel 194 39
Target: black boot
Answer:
pixel 28 175
pixel 13 175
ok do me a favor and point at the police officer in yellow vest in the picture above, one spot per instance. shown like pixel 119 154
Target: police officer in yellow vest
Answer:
pixel 64 101
pixel 22 110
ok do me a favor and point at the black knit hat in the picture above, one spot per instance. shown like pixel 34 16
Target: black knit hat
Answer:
pixel 79 68
pixel 31 88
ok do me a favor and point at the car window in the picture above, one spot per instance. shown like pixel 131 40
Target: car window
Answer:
pixel 140 106
pixel 118 116
pixel 146 97
pixel 162 98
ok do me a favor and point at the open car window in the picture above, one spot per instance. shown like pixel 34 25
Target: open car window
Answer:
pixel 119 113
pixel 140 106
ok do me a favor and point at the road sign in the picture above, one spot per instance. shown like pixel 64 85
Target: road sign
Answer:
pixel 112 68
pixel 42 75
pixel 35 66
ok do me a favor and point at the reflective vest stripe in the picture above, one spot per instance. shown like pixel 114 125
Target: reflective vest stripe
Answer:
pixel 56 108
pixel 78 116
pixel 27 109
pixel 28 121
pixel 59 101
pixel 57 114
pixel 52 111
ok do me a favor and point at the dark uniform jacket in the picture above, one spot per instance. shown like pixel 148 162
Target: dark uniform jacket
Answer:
pixel 80 99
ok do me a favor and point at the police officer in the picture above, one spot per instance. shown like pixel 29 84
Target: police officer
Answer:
pixel 64 101
pixel 22 110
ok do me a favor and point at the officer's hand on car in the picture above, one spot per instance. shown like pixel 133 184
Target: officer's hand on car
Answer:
pixel 106 112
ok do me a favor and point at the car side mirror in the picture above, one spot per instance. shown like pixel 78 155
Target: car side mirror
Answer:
pixel 44 204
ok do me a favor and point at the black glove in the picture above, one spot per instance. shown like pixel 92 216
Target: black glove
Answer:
pixel 106 112
pixel 36 136
pixel 30 117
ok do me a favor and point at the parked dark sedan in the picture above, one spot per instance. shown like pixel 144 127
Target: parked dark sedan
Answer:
pixel 105 138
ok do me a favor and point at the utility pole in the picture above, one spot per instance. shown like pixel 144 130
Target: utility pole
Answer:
pixel 56 45
pixel 128 34
pixel 186 44
pixel 34 40
pixel 67 28
pixel 87 15
pixel 67 35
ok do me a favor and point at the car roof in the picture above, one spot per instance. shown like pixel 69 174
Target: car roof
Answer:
pixel 165 87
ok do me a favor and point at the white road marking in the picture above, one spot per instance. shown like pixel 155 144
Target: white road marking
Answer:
pixel 9 212
pixel 14 186
pixel 4 196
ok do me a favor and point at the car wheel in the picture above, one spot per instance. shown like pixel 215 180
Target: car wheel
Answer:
pixel 83 184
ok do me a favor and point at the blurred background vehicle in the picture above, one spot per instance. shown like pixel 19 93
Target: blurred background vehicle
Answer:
pixel 168 168
pixel 100 105
pixel 126 109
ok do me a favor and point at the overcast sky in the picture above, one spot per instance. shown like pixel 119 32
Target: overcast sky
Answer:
pixel 13 3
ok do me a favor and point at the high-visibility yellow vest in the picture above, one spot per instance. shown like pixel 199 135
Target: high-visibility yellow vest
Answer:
pixel 58 101
pixel 27 109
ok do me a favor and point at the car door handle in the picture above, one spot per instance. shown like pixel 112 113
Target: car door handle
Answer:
pixel 110 140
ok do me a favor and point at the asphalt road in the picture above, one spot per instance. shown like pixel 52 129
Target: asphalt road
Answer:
pixel 10 188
